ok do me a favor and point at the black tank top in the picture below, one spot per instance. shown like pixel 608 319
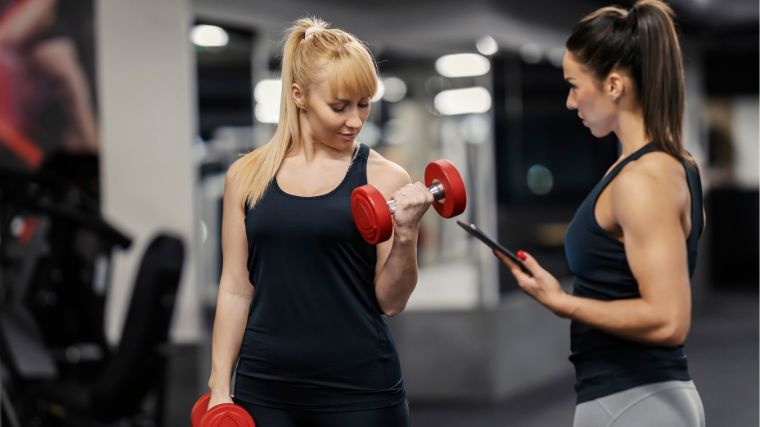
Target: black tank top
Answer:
pixel 604 363
pixel 316 338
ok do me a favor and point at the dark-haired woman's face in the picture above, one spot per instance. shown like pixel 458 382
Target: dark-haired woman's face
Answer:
pixel 595 108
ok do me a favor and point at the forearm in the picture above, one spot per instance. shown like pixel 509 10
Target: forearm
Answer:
pixel 398 276
pixel 634 319
pixel 229 326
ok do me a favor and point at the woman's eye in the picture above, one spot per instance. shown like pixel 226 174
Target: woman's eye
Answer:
pixel 338 109
pixel 364 105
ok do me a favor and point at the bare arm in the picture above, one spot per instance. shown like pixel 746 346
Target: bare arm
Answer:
pixel 396 271
pixel 234 296
pixel 648 211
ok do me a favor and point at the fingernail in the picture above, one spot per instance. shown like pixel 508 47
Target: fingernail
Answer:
pixel 521 255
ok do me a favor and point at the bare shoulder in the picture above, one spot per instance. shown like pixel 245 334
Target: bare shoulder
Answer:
pixel 652 186
pixel 384 174
pixel 659 162
pixel 234 169
pixel 232 176
pixel 232 183
pixel 657 169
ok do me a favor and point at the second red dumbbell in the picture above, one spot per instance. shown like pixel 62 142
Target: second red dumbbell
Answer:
pixel 372 214
pixel 222 415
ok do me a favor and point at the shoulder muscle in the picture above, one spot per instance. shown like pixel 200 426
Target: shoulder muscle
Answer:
pixel 385 175
pixel 649 192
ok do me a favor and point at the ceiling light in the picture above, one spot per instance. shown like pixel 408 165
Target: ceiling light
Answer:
pixel 462 101
pixel 209 36
pixel 462 65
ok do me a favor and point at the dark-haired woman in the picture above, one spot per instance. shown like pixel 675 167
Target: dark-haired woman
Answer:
pixel 632 243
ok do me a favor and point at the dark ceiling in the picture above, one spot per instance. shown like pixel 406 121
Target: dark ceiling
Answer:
pixel 431 28
pixel 721 35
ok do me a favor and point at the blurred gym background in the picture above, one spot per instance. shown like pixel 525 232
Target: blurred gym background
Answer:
pixel 118 120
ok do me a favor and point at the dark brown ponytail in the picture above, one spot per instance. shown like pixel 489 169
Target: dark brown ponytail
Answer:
pixel 643 42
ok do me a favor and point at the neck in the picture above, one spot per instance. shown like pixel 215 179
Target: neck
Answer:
pixel 312 149
pixel 306 146
pixel 631 132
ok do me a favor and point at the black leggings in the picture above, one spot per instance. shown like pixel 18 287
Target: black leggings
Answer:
pixel 393 416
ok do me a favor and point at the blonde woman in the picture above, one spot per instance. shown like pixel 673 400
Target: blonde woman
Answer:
pixel 303 300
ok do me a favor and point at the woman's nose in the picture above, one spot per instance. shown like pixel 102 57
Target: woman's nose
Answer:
pixel 570 102
pixel 354 121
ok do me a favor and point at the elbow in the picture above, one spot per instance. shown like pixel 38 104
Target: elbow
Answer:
pixel 672 335
pixel 392 310
pixel 393 300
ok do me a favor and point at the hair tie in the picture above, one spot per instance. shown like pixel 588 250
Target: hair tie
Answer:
pixel 632 17
pixel 310 31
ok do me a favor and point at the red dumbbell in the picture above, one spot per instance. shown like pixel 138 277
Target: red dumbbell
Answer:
pixel 372 214
pixel 221 415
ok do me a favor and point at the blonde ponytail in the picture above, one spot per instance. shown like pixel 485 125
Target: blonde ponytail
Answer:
pixel 305 59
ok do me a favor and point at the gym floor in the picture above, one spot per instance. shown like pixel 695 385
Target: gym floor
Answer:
pixel 723 359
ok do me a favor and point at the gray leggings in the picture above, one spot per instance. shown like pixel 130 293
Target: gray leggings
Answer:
pixel 664 404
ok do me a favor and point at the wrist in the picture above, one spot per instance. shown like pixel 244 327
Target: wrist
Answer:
pixel 406 234
pixel 217 388
pixel 563 305
pixel 217 393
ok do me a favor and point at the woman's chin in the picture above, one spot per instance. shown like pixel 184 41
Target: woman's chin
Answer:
pixel 599 133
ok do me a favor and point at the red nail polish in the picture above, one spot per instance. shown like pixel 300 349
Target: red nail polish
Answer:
pixel 521 255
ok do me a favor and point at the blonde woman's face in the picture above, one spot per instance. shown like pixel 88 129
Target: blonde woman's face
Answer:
pixel 335 119
pixel 595 108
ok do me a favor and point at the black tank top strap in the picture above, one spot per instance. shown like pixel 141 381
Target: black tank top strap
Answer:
pixel 697 219
pixel 605 181
pixel 633 156
pixel 362 156
pixel 363 152
pixel 358 169
pixel 695 189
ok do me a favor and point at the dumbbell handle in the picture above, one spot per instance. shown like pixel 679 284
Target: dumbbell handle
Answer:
pixel 435 188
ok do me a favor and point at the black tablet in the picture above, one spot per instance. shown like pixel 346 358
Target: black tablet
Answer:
pixel 475 231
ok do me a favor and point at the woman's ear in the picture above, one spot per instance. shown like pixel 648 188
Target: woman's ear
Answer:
pixel 298 96
pixel 614 85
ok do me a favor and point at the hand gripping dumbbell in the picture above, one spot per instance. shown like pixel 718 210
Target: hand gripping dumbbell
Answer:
pixel 372 214
pixel 221 415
